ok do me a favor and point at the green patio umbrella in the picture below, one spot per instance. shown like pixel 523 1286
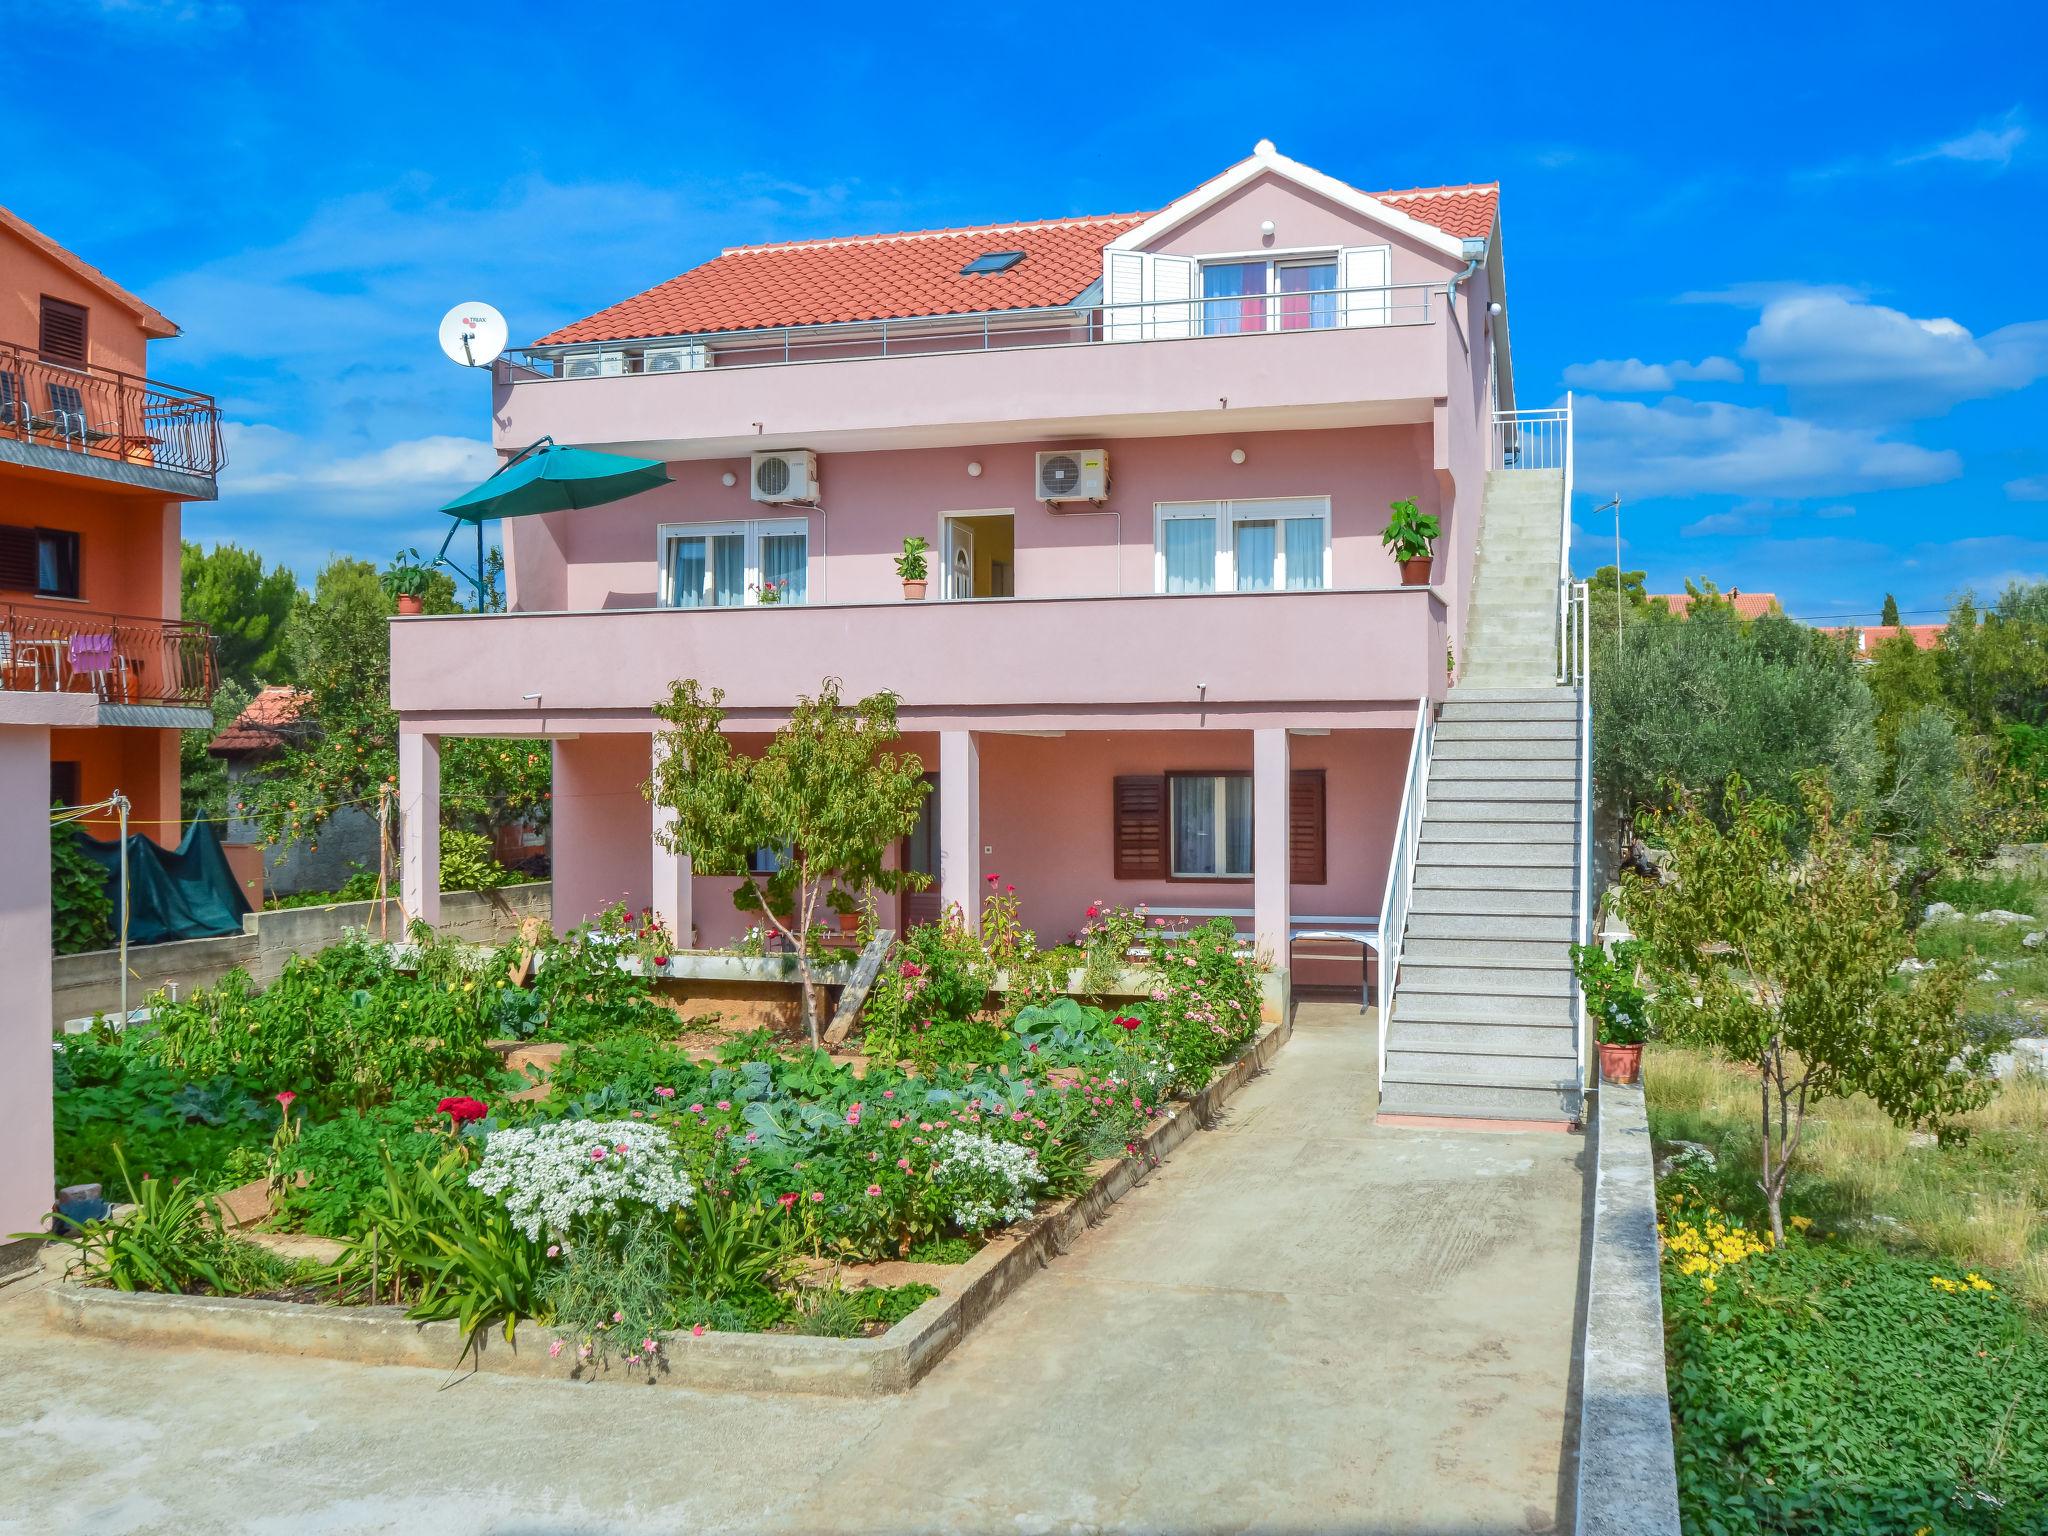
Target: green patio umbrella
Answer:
pixel 546 477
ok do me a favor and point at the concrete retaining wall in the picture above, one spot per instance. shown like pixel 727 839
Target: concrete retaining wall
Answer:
pixel 1628 1475
pixel 83 985
pixel 753 1362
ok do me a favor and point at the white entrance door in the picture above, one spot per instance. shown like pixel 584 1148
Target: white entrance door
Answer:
pixel 959 559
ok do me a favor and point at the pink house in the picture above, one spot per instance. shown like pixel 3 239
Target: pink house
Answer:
pixel 1163 658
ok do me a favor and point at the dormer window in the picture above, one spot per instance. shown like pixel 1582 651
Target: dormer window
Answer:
pixel 993 261
pixel 1298 294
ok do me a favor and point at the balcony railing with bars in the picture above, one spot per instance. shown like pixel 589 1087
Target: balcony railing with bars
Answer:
pixel 120 660
pixel 989 331
pixel 108 414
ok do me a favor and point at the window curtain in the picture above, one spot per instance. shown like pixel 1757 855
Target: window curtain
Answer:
pixel 1307 302
pixel 1190 554
pixel 686 573
pixel 1255 549
pixel 1194 821
pixel 1304 553
pixel 783 561
pixel 1237 825
pixel 1243 284
pixel 729 569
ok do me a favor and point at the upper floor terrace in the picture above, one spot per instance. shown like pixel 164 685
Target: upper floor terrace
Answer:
pixel 75 418
pixel 116 669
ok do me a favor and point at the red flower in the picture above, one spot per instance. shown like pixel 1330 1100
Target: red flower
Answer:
pixel 1127 1023
pixel 286 1098
pixel 785 1201
pixel 992 879
pixel 462 1109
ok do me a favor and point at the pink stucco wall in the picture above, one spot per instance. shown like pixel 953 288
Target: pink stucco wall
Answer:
pixel 606 557
pixel 603 826
pixel 1301 220
pixel 27 1176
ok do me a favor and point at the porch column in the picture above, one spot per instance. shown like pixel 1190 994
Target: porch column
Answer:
pixel 1270 913
pixel 27 1164
pixel 960 822
pixel 672 870
pixel 419 819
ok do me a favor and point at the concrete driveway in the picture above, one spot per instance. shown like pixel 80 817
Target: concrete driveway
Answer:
pixel 1300 1322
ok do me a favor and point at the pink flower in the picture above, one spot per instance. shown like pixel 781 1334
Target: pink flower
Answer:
pixel 903 1163
pixel 583 1352
pixel 597 1154
pixel 618 1317
pixel 786 1201
pixel 896 1125
pixel 554 1349
pixel 888 1093
pixel 817 1195
pixel 873 1190
pixel 725 1104
pixel 647 1345
pixel 285 1098
pixel 664 1093
pixel 992 879
pixel 696 1109
pixel 554 1250
pixel 697 1332
pixel 623 1149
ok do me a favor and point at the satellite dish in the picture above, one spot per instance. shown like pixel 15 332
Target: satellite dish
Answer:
pixel 473 335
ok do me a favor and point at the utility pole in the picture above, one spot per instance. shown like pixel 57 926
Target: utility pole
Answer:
pixel 1614 506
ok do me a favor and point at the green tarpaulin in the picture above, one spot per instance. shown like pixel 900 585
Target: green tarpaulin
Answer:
pixel 184 893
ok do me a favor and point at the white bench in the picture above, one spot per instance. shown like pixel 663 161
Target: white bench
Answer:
pixel 1362 931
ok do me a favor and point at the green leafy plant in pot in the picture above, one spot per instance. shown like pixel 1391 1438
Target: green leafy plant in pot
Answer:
pixel 1410 535
pixel 406 580
pixel 1616 1004
pixel 910 566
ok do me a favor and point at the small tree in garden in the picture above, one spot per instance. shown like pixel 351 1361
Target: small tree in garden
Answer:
pixel 825 795
pixel 1788 964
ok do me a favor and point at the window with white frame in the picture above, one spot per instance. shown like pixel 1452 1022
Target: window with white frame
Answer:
pixel 1293 293
pixel 729 565
pixel 1211 826
pixel 1273 544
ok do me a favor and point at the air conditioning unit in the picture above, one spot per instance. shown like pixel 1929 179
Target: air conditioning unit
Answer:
pixel 1073 474
pixel 592 365
pixel 789 476
pixel 685 357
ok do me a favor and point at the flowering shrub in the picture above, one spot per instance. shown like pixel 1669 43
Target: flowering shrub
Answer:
pixel 985 1182
pixel 1207 994
pixel 1107 937
pixel 554 1175
pixel 1614 997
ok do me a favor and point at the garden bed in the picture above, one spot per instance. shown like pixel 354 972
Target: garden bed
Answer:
pixel 762 1362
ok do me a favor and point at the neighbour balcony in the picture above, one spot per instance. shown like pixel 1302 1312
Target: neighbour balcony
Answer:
pixel 1343 357
pixel 108 424
pixel 134 668
pixel 1331 657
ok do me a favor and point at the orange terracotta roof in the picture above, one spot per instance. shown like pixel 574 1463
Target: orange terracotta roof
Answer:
pixel 1868 637
pixel 878 277
pixel 1748 605
pixel 265 725
pixel 153 320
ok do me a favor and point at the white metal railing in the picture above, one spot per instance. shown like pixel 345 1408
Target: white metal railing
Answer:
pixel 1564 529
pixel 1532 439
pixel 1578 636
pixel 989 331
pixel 1401 868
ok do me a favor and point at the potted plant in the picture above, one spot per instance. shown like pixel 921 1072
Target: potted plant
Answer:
pixel 847 906
pixel 406 580
pixel 1410 535
pixel 910 566
pixel 1616 1003
pixel 769 593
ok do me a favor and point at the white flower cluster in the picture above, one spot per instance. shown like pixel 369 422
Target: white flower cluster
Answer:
pixel 553 1174
pixel 990 1182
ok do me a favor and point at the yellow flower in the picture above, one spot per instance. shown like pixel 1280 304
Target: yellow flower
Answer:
pixel 1801 1223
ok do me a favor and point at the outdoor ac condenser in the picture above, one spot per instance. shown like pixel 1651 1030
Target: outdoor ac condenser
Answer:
pixel 791 475
pixel 1073 474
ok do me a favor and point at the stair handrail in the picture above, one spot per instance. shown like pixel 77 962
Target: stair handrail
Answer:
pixel 1401 868
pixel 1564 546
pixel 1579 635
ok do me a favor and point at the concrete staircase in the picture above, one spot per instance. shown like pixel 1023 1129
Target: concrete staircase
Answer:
pixel 1481 1024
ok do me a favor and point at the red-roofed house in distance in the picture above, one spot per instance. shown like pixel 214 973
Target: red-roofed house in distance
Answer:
pixel 1866 638
pixel 1164 658
pixel 97 673
pixel 1747 605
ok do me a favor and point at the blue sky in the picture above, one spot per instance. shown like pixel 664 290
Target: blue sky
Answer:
pixel 1782 257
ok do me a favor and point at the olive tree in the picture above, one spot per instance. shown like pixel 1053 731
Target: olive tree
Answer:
pixel 824 795
pixel 1788 964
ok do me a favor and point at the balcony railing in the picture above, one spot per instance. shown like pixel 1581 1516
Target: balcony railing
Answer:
pixel 119 660
pixel 991 331
pixel 107 414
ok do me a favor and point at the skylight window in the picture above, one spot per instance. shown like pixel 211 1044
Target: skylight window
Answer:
pixel 993 261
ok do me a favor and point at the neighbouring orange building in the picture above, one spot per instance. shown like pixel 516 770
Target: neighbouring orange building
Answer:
pixel 97 460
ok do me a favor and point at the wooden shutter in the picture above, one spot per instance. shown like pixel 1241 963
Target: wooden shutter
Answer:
pixel 1371 267
pixel 1307 828
pixel 1139 815
pixel 17 559
pixel 63 334
pixel 1173 277
pixel 1124 276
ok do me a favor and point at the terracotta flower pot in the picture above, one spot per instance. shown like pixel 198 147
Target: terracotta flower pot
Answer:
pixel 1415 573
pixel 1621 1063
pixel 849 922
pixel 913 591
pixel 407 603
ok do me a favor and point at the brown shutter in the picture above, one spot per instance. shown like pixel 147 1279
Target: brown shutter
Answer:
pixel 63 337
pixel 1140 826
pixel 17 559
pixel 1307 828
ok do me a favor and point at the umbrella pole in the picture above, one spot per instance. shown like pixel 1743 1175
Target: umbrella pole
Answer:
pixel 483 596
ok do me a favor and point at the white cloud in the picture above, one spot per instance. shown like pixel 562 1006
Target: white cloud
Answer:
pixel 1847 356
pixel 1835 511
pixel 1992 144
pixel 1681 448
pixel 1633 376
pixel 2027 488
pixel 1755 295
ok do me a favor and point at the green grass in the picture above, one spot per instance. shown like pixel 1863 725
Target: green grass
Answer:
pixel 2015 891
pixel 2018 990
